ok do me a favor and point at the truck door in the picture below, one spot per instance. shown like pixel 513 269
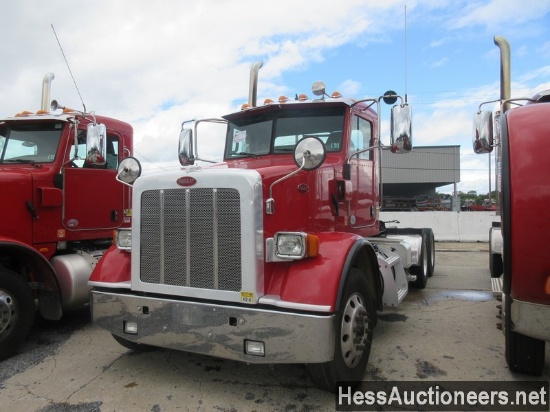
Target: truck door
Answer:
pixel 93 198
pixel 365 190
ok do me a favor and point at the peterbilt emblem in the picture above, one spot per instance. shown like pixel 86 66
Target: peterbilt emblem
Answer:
pixel 186 181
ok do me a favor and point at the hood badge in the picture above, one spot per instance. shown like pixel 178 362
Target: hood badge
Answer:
pixel 186 181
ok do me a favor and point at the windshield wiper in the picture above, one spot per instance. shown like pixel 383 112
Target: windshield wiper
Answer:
pixel 26 161
pixel 255 156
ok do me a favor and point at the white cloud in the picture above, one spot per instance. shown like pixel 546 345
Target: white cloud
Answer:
pixel 498 13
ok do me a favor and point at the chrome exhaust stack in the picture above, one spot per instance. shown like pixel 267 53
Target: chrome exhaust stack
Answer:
pixel 46 91
pixel 253 88
pixel 505 68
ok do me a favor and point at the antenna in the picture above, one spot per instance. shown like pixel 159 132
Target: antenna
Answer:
pixel 406 54
pixel 67 63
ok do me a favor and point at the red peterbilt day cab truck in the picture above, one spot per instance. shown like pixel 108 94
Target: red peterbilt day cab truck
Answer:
pixel 60 206
pixel 275 255
pixel 520 133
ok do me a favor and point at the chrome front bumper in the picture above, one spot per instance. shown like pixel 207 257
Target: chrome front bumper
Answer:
pixel 530 319
pixel 217 330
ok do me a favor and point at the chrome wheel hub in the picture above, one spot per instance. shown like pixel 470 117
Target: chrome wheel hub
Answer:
pixel 354 330
pixel 8 313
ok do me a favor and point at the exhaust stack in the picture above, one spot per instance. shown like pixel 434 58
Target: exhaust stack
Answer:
pixel 505 64
pixel 253 88
pixel 46 91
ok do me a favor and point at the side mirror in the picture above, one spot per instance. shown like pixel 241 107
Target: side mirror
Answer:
pixel 128 171
pixel 310 152
pixel 483 132
pixel 96 145
pixel 185 148
pixel 401 129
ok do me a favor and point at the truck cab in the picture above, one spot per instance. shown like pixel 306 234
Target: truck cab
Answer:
pixel 274 255
pixel 520 270
pixel 61 207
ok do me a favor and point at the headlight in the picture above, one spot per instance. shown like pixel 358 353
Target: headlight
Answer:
pixel 285 246
pixel 290 245
pixel 124 239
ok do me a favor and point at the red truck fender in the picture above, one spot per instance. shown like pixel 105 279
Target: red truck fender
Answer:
pixel 42 272
pixel 113 267
pixel 320 280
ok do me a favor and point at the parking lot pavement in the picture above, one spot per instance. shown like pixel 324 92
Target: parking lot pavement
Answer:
pixel 444 332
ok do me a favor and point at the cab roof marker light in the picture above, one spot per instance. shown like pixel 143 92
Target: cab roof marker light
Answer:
pixel 336 95
pixel 245 106
pixel 268 101
pixel 24 113
pixel 283 99
pixel 302 97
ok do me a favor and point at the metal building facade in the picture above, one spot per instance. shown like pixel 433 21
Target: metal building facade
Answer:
pixel 421 171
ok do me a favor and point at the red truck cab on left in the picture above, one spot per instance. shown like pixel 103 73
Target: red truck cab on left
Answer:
pixel 60 207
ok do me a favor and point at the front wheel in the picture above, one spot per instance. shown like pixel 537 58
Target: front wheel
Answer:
pixel 353 336
pixel 17 311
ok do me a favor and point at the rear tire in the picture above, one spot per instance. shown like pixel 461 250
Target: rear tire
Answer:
pixel 428 234
pixel 421 272
pixel 134 346
pixel 17 311
pixel 353 336
pixel 524 354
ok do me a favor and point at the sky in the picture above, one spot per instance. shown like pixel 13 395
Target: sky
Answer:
pixel 157 64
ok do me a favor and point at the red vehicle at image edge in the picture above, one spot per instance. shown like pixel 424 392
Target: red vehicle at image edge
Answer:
pixel 60 207
pixel 520 270
pixel 275 255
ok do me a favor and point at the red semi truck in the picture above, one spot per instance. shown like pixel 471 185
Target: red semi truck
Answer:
pixel 520 270
pixel 60 207
pixel 276 254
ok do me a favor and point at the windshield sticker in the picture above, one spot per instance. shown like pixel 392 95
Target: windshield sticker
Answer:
pixel 239 136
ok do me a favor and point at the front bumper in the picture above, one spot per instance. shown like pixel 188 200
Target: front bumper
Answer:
pixel 217 330
pixel 530 319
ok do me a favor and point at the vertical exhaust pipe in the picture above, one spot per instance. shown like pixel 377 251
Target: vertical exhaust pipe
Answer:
pixel 253 87
pixel 505 80
pixel 46 91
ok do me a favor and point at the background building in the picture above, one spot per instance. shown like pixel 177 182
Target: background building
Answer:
pixel 418 174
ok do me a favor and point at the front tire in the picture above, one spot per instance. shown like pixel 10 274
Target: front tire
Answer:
pixel 353 336
pixel 17 311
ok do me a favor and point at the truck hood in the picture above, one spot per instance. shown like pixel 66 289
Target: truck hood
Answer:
pixel 270 168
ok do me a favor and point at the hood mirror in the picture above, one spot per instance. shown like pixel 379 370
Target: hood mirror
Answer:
pixel 128 171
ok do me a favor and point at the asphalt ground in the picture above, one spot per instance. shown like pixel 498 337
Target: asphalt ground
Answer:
pixel 446 332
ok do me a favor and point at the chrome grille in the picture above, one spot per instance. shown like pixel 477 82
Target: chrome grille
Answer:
pixel 191 237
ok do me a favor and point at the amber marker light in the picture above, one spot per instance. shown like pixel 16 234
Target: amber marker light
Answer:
pixel 547 288
pixel 312 246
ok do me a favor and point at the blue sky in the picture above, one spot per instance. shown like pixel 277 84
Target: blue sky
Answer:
pixel 157 64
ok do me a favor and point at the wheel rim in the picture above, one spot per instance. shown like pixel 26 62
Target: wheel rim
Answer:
pixel 8 313
pixel 354 331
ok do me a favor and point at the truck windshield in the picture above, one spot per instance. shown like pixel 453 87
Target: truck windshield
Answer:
pixel 278 132
pixel 29 142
